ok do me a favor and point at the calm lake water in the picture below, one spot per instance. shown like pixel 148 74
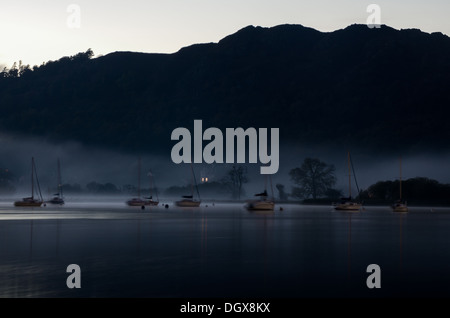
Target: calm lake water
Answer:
pixel 222 250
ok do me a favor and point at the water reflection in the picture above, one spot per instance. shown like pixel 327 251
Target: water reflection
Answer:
pixel 204 238
pixel 31 241
pixel 57 237
pixel 400 217
pixel 217 251
pixel 138 236
pixel 349 257
pixel 266 251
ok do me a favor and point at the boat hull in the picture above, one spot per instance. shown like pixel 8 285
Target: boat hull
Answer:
pixel 260 206
pixel 28 203
pixel 348 207
pixel 139 202
pixel 400 208
pixel 187 203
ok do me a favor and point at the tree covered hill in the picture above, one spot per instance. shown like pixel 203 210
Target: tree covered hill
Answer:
pixel 416 191
pixel 378 89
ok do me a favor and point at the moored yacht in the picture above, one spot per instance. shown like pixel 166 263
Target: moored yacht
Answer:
pixel 347 204
pixel 31 201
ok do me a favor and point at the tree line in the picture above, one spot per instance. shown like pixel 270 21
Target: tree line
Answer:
pixel 231 184
pixel 20 69
pixel 313 182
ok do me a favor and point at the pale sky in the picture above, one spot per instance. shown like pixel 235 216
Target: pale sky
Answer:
pixel 37 31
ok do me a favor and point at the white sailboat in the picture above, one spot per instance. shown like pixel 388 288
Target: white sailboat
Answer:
pixel 347 204
pixel 31 201
pixel 149 200
pixel 139 201
pixel 400 206
pixel 188 200
pixel 264 203
pixel 58 197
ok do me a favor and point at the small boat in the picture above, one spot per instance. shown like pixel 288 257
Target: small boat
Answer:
pixel 149 200
pixel 264 203
pixel 31 201
pixel 58 197
pixel 142 202
pixel 347 204
pixel 399 205
pixel 138 201
pixel 188 201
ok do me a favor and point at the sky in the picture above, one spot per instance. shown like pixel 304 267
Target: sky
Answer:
pixel 37 31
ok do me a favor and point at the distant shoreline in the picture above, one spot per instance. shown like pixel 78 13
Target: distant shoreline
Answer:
pixel 168 200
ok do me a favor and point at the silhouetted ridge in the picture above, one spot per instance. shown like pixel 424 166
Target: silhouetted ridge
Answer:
pixel 377 89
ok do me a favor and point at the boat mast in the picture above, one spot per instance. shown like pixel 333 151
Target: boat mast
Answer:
pixel 195 180
pixel 139 178
pixel 151 185
pixel 37 179
pixel 400 178
pixel 59 181
pixel 32 178
pixel 349 176
pixel 156 189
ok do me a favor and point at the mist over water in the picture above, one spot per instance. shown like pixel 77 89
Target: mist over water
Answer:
pixel 81 164
pixel 369 167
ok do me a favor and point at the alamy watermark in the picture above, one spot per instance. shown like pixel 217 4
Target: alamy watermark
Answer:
pixel 374 279
pixel 74 19
pixel 74 279
pixel 374 19
pixel 213 152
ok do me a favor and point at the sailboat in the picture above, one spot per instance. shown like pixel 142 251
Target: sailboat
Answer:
pixel 400 206
pixel 58 197
pixel 149 200
pixel 138 201
pixel 188 200
pixel 264 202
pixel 31 201
pixel 347 204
